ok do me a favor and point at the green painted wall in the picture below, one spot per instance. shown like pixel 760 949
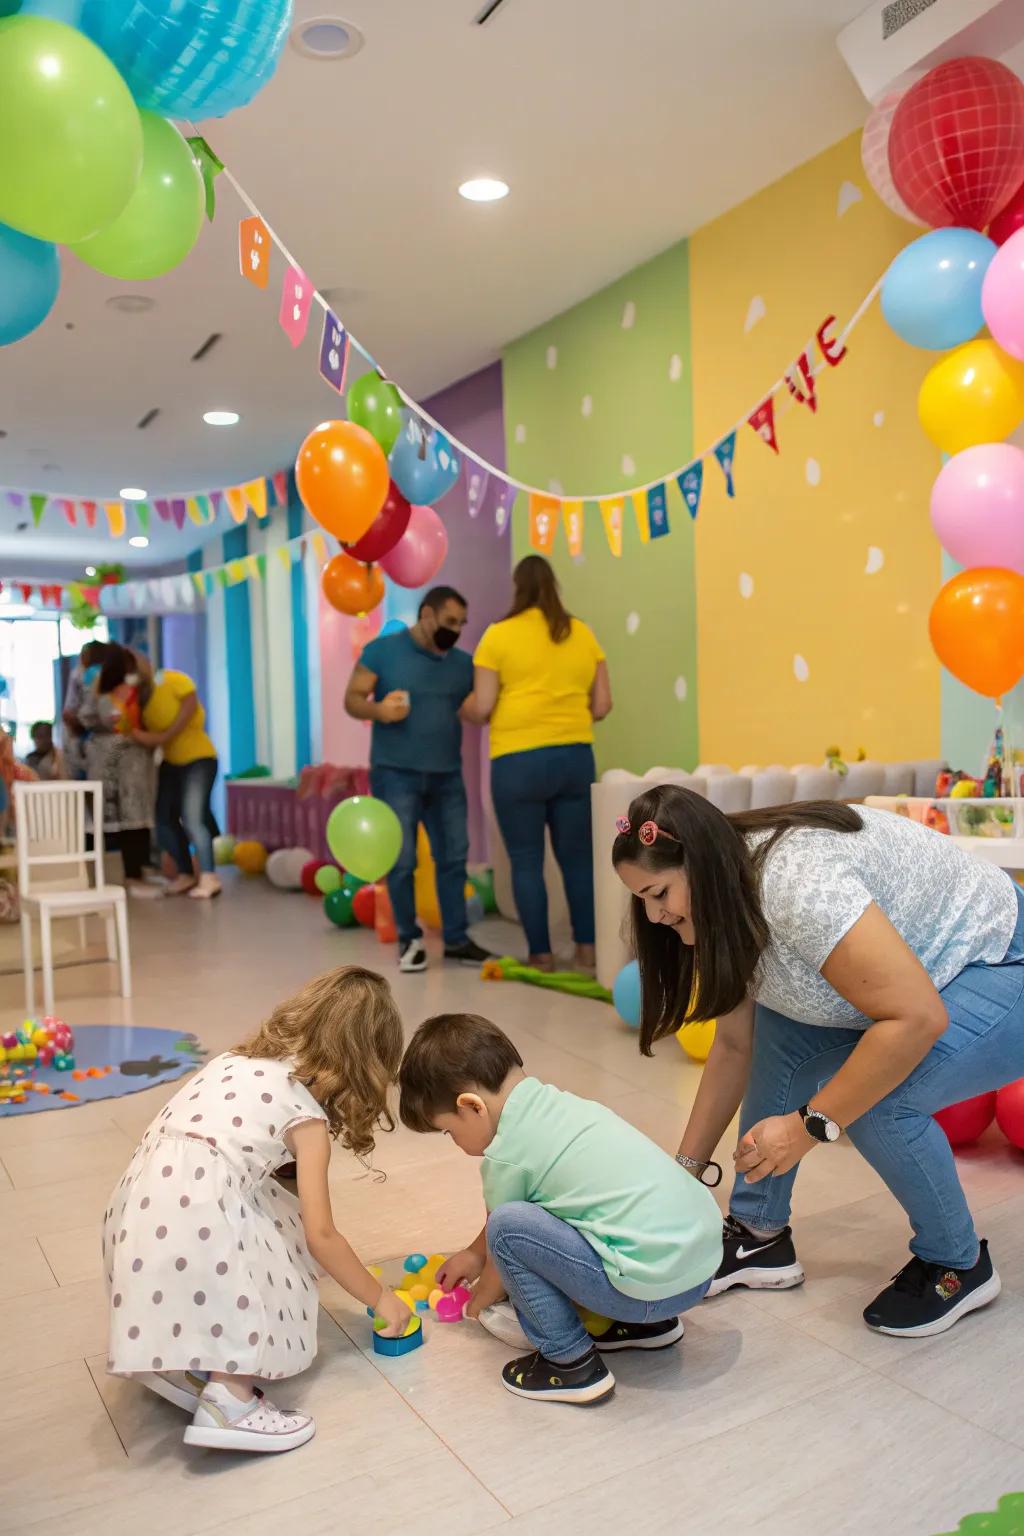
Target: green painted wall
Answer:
pixel 597 400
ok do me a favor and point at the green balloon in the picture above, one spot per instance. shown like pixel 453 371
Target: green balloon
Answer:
pixel 375 404
pixel 365 836
pixel 161 223
pixel 338 906
pixel 70 136
pixel 328 879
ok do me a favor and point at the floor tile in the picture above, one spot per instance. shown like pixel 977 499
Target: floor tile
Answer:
pixel 73 1255
pixel 23 1268
pixel 99 1154
pixel 56 1325
pixel 56 1207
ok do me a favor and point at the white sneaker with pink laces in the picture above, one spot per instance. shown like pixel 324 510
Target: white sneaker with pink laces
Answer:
pixel 222 1422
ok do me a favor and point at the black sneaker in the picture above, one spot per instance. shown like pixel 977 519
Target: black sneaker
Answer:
pixel 761 1264
pixel 413 957
pixel 640 1335
pixel 467 954
pixel 925 1299
pixel 584 1381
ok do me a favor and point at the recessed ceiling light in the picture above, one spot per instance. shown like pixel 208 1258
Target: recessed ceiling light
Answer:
pixel 139 541
pixel 132 493
pixel 220 418
pixel 484 189
pixel 326 37
pixel 131 303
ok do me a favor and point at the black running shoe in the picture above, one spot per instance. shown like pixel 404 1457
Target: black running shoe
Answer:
pixel 584 1381
pixel 413 958
pixel 925 1299
pixel 640 1335
pixel 761 1264
pixel 467 954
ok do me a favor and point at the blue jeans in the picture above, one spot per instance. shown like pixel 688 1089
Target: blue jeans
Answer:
pixel 183 817
pixel 548 1267
pixel 438 800
pixel 548 787
pixel 981 1049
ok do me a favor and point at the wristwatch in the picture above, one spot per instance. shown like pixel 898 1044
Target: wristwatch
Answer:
pixel 819 1125
pixel 709 1173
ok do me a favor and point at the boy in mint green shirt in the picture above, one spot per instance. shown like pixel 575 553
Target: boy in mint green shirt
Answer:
pixel 584 1211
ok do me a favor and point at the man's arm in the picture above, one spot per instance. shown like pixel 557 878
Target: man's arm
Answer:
pixel 361 705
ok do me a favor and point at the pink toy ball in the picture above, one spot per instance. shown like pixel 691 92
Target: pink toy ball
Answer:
pixel 1010 1112
pixel 964 1123
pixel 450 1308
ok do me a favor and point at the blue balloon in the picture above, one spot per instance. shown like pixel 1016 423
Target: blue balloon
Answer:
pixel 931 295
pixel 401 605
pixel 392 627
pixel 424 465
pixel 191 58
pixel 626 994
pixel 29 282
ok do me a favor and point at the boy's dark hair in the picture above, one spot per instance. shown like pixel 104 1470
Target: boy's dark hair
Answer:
pixel 436 598
pixel 41 725
pixel 448 1055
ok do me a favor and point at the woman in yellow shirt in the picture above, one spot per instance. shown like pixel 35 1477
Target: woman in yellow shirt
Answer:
pixel 174 720
pixel 541 680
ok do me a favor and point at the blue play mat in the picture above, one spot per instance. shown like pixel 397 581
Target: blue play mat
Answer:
pixel 139 1058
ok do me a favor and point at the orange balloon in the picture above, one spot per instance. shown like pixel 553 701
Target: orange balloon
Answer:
pixel 343 478
pixel 352 587
pixel 977 629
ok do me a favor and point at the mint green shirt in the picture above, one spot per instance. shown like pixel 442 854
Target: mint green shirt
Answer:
pixel 656 1230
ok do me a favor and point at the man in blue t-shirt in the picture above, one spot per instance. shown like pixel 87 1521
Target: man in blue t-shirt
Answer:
pixel 412 685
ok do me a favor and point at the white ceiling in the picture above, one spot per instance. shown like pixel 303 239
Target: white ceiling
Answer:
pixel 620 128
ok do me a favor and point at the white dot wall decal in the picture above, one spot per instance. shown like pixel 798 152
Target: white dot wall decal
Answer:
pixel 756 310
pixel 556 488
pixel 679 688
pixel 628 315
pixel 587 405
pixel 801 671
pixel 879 418
pixel 849 193
pixel 875 560
pixel 746 585
pixel 628 465
pixel 675 368
pixel 520 433
pixel 552 357
pixel 812 470
pixel 632 623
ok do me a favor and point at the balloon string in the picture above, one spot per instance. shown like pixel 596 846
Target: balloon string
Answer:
pixel 503 475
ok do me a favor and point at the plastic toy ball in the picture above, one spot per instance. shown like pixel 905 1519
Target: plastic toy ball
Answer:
pixel 1010 1112
pixel 697 1039
pixel 965 1122
pixel 434 1298
pixel 250 857
pixel 450 1308
pixel 414 1263
pixel 419 1293
pixel 428 1274
pixel 626 994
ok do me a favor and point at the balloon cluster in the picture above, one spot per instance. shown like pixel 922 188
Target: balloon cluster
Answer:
pixel 950 153
pixel 90 160
pixel 371 481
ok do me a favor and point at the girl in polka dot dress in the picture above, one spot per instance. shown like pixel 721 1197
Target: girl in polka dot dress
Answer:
pixel 212 1267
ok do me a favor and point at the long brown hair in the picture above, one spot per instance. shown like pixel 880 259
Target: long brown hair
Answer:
pixel 535 585
pixel 343 1031
pixel 678 982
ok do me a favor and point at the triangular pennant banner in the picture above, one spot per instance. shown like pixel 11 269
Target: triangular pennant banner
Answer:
pixel 67 506
pixel 216 501
pixel 333 352
pixel 178 511
pixel 279 480
pixel 194 510
pixel 657 511
pixel 205 509
pixel 163 509
pixel 296 298
pixel 16 498
pixel 236 571
pixel 800 383
pixel 319 546
pixel 503 509
pixel 690 483
pixel 261 566
pixel 476 487
pixel 142 513
pixel 252 567
pixel 544 515
pixel 254 251
pixel 37 501
pixel 210 167
pixel 725 453
pixel 222 576
pixel 284 555
pixel 25 588
pixel 643 525
pixel 197 582
pixel 763 422
pixel 89 511
pixel 613 513
pixel 236 502
pixel 115 518
pixel 572 517
pixel 256 495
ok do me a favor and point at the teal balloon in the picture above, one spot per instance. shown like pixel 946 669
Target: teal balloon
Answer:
pixel 423 463
pixel 191 58
pixel 931 294
pixel 365 836
pixel 626 994
pixel 338 906
pixel 29 283
pixel 392 627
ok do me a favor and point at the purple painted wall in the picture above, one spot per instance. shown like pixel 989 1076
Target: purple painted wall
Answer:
pixel 478 562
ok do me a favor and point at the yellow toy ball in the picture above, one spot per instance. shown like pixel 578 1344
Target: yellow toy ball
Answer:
pixel 974 395
pixel 419 1292
pixel 593 1322
pixel 428 1274
pixel 697 1039
pixel 434 1298
pixel 251 857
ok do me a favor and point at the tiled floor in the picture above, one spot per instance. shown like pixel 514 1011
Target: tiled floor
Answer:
pixel 777 1413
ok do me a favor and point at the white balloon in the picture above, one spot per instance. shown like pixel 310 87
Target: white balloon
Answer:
pixel 284 868
pixel 874 152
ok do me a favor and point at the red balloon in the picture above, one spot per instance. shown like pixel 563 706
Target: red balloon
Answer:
pixel 308 876
pixel 386 529
pixel 1010 220
pixel 364 906
pixel 1010 1112
pixel 956 146
pixel 965 1122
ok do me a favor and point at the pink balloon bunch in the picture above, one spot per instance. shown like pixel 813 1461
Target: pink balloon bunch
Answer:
pixel 977 506
pixel 420 552
pixel 1002 296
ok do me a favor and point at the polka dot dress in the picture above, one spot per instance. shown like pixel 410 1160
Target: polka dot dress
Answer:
pixel 204 1253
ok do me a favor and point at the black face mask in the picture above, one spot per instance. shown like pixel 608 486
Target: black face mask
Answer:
pixel 445 638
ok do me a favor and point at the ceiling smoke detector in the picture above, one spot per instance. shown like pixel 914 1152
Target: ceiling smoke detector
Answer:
pixel 131 303
pixel 326 38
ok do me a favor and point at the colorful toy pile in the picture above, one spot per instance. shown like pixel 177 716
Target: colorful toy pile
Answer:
pixel 32 1044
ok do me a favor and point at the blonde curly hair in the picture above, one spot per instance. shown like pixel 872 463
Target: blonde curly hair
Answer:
pixel 343 1032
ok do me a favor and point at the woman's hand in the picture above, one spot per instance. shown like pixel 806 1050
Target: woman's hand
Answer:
pixel 461 1268
pixel 394 1312
pixel 772 1146
pixel 151 739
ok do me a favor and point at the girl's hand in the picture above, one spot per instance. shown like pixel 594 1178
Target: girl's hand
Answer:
pixel 460 1269
pixel 394 1312
pixel 773 1146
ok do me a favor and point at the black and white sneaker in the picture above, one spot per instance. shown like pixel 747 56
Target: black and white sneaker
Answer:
pixel 761 1264
pixel 584 1381
pixel 925 1299
pixel 640 1335
pixel 467 954
pixel 413 957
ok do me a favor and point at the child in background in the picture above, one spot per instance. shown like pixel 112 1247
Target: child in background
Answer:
pixel 212 1267
pixel 45 759
pixel 583 1210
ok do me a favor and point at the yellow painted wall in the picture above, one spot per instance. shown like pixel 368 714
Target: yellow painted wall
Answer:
pixel 872 679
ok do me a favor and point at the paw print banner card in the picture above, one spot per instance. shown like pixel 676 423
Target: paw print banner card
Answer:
pixel 254 251
pixel 296 299
pixel 334 352
pixel 545 515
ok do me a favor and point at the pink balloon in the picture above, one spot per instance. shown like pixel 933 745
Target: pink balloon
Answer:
pixel 420 552
pixel 978 506
pixel 1002 296
pixel 874 154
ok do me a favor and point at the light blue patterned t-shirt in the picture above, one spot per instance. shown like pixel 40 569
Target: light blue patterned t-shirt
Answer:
pixel 950 908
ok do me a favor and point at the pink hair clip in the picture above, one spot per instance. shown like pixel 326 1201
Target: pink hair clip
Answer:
pixel 648 833
pixel 622 825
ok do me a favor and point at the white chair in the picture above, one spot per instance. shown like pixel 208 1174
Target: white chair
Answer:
pixel 53 876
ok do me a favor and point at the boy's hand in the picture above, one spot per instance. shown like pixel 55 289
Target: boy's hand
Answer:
pixel 394 1312
pixel 461 1268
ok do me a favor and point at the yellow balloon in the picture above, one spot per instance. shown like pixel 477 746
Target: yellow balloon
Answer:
pixel 425 884
pixel 974 395
pixel 697 1039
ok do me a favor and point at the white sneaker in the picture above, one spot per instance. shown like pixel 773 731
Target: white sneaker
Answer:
pixel 413 957
pixel 223 1423
pixel 182 1388
pixel 501 1320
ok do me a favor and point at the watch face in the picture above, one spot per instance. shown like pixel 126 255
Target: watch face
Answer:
pixel 821 1127
pixel 832 1131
